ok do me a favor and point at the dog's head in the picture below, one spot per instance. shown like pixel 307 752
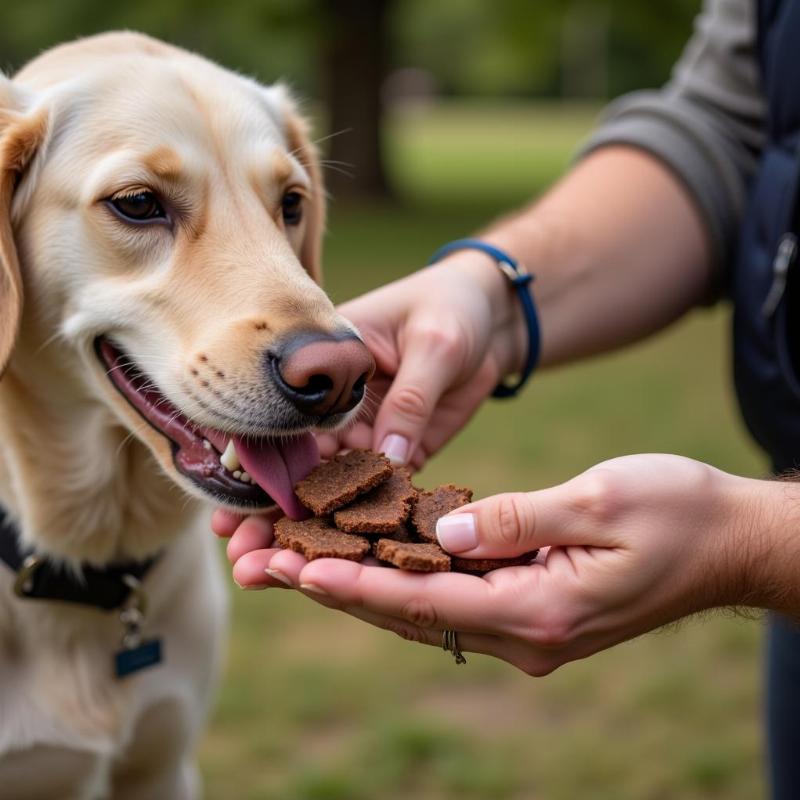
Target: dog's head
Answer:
pixel 162 218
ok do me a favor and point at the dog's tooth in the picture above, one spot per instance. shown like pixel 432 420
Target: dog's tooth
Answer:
pixel 246 477
pixel 230 459
pixel 207 444
pixel 237 474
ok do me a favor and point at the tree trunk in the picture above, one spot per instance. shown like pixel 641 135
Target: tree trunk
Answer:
pixel 353 68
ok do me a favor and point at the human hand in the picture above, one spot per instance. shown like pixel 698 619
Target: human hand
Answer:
pixel 634 543
pixel 442 338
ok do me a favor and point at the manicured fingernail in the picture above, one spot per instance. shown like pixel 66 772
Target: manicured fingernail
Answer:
pixel 395 448
pixel 313 588
pixel 457 532
pixel 279 576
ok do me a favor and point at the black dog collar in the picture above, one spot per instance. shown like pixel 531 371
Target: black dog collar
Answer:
pixel 40 579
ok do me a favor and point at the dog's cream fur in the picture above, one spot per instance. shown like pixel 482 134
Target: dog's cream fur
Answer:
pixel 84 476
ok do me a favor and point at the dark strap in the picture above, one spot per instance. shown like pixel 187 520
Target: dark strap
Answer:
pixel 519 279
pixel 40 579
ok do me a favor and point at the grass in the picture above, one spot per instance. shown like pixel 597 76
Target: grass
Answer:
pixel 316 706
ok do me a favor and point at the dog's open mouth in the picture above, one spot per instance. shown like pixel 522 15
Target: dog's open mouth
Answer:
pixel 240 470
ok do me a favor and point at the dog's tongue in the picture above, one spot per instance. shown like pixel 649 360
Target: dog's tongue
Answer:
pixel 276 465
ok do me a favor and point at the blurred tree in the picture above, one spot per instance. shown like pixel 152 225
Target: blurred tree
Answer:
pixel 341 50
pixel 514 47
pixel 270 40
pixel 354 61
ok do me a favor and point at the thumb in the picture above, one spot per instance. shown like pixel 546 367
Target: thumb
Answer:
pixel 501 526
pixel 430 364
pixel 516 523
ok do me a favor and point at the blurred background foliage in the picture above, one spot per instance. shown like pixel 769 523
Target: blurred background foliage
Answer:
pixel 452 112
pixel 358 56
pixel 510 47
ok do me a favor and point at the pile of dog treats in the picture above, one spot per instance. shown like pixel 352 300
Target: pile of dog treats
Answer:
pixel 362 504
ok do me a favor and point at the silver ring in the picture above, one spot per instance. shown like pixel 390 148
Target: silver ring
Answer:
pixel 450 645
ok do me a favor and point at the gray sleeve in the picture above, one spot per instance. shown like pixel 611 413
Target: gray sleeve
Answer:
pixel 707 123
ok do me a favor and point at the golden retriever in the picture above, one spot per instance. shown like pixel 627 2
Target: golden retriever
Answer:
pixel 164 343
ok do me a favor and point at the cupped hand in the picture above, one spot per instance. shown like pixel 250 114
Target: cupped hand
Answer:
pixel 630 545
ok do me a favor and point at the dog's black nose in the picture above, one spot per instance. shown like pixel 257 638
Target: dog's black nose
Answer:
pixel 320 373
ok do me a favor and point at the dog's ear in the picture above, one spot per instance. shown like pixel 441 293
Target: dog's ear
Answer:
pixel 297 130
pixel 21 133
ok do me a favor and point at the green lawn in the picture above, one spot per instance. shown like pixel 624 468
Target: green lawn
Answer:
pixel 316 706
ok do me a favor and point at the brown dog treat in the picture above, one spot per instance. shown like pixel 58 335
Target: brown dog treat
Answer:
pixel 338 482
pixel 429 506
pixel 382 510
pixel 413 556
pixel 317 538
pixel 481 565
pixel 402 534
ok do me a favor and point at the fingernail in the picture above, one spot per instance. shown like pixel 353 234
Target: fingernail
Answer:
pixel 395 448
pixel 250 588
pixel 457 532
pixel 279 576
pixel 313 588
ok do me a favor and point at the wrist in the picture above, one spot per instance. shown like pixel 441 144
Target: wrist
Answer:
pixel 508 339
pixel 763 544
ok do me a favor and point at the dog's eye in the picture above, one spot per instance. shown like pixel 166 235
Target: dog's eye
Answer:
pixel 139 207
pixel 292 208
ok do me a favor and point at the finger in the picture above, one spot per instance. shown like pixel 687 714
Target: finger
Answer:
pixel 268 567
pixel 455 408
pixel 430 364
pixel 249 571
pixel 358 435
pixel 512 524
pixel 286 567
pixel 281 565
pixel 254 533
pixel 472 642
pixel 532 647
pixel 433 600
pixel 512 650
pixel 328 444
pixel 224 522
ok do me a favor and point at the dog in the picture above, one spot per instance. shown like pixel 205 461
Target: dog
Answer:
pixel 164 345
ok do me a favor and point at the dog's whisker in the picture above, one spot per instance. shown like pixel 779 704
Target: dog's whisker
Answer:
pixel 332 168
pixel 331 161
pixel 320 140
pixel 131 437
pixel 368 406
pixel 370 402
pixel 47 342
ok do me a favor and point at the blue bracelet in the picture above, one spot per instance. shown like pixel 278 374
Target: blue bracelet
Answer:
pixel 519 279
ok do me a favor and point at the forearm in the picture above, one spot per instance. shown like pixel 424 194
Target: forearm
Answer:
pixel 642 228
pixel 765 546
pixel 618 250
pixel 621 246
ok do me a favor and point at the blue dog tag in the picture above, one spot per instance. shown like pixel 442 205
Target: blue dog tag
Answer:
pixel 147 654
